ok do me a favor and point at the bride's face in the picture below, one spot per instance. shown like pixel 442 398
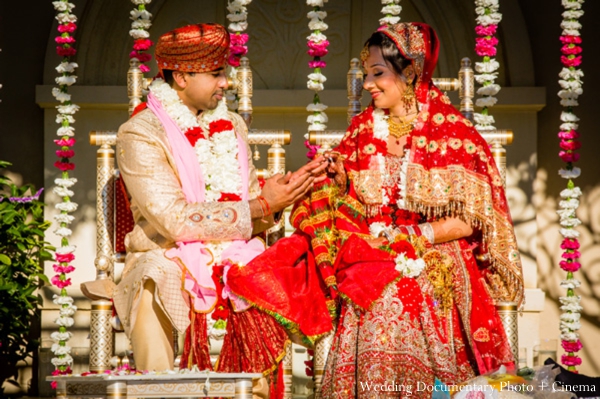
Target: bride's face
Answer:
pixel 384 84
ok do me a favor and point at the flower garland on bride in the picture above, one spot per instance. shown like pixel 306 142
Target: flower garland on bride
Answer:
pixel 571 88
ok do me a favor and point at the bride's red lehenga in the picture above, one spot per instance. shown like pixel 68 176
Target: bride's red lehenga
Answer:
pixel 394 331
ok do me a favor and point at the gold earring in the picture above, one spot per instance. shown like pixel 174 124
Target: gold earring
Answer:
pixel 408 97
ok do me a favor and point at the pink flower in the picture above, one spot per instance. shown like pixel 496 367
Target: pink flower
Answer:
pixel 64 39
pixel 60 283
pixel 568 156
pixel 66 52
pixel 312 149
pixel 142 44
pixel 484 49
pixel 64 258
pixel 63 269
pixel 318 49
pixel 234 60
pixel 144 68
pixel 65 142
pixel 570 39
pixel 489 30
pixel 65 154
pixel 70 28
pixel 238 50
pixel 570 61
pixel 569 346
pixel 569 266
pixel 570 243
pixel 570 135
pixel 571 49
pixel 317 64
pixel 569 145
pixel 238 39
pixel 570 360
pixel 142 57
pixel 571 255
pixel 64 166
pixel 487 41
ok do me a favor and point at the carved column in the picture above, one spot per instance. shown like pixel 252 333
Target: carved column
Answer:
pixel 355 87
pixel 243 389
pixel 466 90
pixel 287 371
pixel 244 90
pixel 101 336
pixel 508 314
pixel 135 79
pixel 322 349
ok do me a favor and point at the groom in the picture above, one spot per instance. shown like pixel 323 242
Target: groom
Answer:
pixel 196 203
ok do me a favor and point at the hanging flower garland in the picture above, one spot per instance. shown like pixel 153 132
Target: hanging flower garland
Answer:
pixel 65 253
pixel 487 20
pixel 571 88
pixel 317 48
pixel 139 31
pixel 391 11
pixel 238 23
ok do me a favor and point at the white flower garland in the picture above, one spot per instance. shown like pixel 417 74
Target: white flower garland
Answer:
pixel 141 20
pixel 238 16
pixel 212 152
pixel 317 41
pixel 391 11
pixel 409 267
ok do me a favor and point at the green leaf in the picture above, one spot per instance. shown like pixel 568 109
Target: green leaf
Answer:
pixel 5 259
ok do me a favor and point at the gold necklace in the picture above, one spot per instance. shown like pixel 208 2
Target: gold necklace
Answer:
pixel 402 127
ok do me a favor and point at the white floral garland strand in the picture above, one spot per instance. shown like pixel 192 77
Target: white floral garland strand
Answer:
pixel 317 119
pixel 391 11
pixel 65 118
pixel 141 20
pixel 487 14
pixel 238 23
pixel 213 152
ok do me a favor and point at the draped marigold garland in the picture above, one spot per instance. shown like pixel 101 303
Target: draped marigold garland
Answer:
pixel 571 88
pixel 391 11
pixel 487 20
pixel 238 23
pixel 65 252
pixel 139 31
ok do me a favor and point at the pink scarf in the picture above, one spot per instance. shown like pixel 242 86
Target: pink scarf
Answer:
pixel 192 256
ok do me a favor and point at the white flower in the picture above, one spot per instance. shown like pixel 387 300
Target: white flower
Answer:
pixel 409 267
pixel 570 317
pixel 143 14
pixel 570 174
pixel 64 321
pixel 569 336
pixel 574 326
pixel 321 117
pixel 569 102
pixel 486 77
pixel 66 67
pixel 489 90
pixel 63 6
pixel 70 182
pixel 66 80
pixel 389 20
pixel 572 14
pixel 141 24
pixel 489 19
pixel 568 117
pixel 68 310
pixel 141 1
pixel 569 126
pixel 566 213
pixel 486 102
pixel 139 34
pixel 571 84
pixel 66 131
pixel 64 218
pixel 317 15
pixel 315 3
pixel 571 283
pixel 570 193
pixel 62 191
pixel 62 300
pixel 58 336
pixel 68 109
pixel 487 67
pixel 571 25
pixel 66 206
pixel 63 232
pixel 380 125
pixel 238 26
pixel 58 349
pixel 486 3
pixel 68 249
pixel 481 119
pixel 238 17
pixel 376 228
pixel 60 118
pixel 317 77
pixel 66 360
pixel 60 96
pixel 572 5
pixel 316 107
pixel 390 1
pixel 571 203
pixel 571 93
pixel 316 37
pixel 317 127
pixel 569 233
pixel 316 86
pixel 566 74
pixel 571 222
pixel 316 24
pixel 392 9
pixel 65 18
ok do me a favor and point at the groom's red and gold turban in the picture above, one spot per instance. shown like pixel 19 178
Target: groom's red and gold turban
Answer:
pixel 193 48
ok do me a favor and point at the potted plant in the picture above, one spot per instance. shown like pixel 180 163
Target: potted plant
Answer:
pixel 22 253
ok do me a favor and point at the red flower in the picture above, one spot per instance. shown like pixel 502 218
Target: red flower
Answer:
pixel 570 39
pixel 70 27
pixel 317 64
pixel 144 68
pixel 570 243
pixel 65 154
pixel 571 49
pixel 64 39
pixel 485 46
pixel 142 57
pixel 318 49
pixel 261 182
pixel 238 39
pixel 220 312
pixel 570 135
pixel 229 197
pixel 571 255
pixel 570 360
pixel 570 145
pixel 405 247
pixel 570 61
pixel 66 52
pixel 569 346
pixel 219 126
pixel 64 166
pixel 194 134
pixel 567 156
pixel 569 266
pixel 489 30
pixel 65 142
pixel 60 283
pixel 63 269
pixel 64 258
pixel 238 50
pixel 142 44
